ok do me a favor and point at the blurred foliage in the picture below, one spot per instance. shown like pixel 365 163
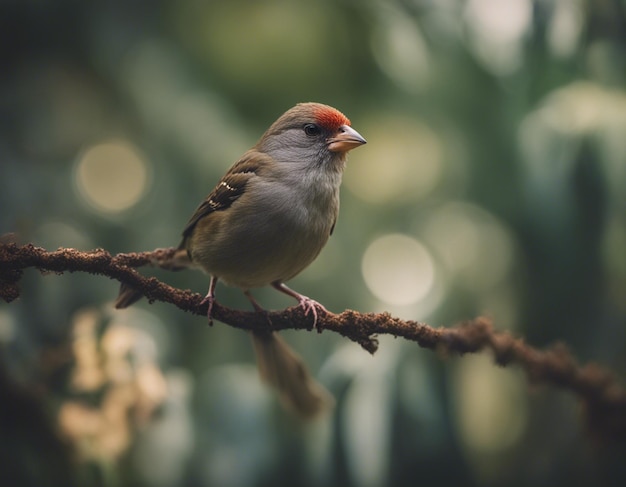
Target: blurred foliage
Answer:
pixel 494 181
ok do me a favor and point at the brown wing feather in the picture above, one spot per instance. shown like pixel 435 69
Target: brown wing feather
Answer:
pixel 228 190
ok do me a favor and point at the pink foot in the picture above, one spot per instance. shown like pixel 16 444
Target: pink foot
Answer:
pixel 209 300
pixel 307 304
pixel 311 306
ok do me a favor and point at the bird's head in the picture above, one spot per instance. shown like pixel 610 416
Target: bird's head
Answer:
pixel 310 134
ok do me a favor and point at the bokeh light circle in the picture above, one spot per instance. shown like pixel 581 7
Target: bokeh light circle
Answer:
pixel 112 176
pixel 398 269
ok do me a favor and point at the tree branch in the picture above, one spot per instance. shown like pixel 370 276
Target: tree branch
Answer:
pixel 603 397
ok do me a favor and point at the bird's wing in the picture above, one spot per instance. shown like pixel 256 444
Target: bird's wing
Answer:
pixel 228 190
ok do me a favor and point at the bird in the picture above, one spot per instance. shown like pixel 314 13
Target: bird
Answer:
pixel 264 222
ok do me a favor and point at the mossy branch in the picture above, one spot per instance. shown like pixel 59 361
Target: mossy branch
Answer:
pixel 603 397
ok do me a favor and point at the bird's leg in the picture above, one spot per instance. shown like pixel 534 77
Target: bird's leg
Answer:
pixel 210 299
pixel 307 304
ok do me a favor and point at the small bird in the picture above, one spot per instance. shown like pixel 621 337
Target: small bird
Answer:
pixel 266 220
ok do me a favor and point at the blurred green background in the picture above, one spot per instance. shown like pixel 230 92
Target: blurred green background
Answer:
pixel 493 181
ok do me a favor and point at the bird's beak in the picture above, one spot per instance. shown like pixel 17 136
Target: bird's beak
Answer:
pixel 345 139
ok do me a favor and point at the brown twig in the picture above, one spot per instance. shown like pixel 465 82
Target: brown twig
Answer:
pixel 603 397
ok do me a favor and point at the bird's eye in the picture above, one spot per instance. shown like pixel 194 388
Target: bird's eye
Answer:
pixel 312 130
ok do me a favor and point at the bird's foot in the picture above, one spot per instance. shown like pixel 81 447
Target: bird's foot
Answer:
pixel 209 300
pixel 311 306
pixel 307 304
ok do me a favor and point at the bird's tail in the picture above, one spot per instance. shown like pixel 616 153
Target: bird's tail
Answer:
pixel 283 369
pixel 129 294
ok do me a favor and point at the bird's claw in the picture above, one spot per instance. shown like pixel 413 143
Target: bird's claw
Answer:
pixel 311 306
pixel 209 300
